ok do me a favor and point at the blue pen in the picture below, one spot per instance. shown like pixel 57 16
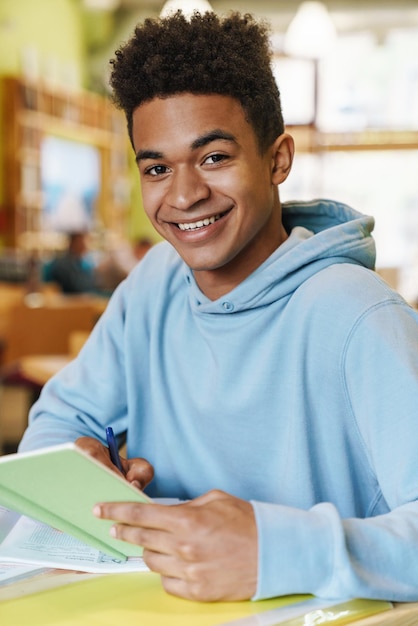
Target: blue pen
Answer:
pixel 113 449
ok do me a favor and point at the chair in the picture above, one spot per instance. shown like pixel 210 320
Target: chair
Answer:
pixel 54 330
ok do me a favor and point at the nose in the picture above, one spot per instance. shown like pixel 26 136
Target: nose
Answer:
pixel 187 188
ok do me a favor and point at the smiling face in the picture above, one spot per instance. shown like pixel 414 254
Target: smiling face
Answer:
pixel 206 187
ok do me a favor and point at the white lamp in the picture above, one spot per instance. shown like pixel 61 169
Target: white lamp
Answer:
pixel 188 7
pixel 101 5
pixel 311 33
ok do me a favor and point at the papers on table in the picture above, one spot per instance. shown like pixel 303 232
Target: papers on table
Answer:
pixel 15 572
pixel 27 545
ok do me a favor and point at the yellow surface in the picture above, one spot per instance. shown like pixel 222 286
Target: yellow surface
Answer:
pixel 343 613
pixel 125 599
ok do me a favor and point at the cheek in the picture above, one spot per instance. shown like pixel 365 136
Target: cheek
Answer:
pixel 248 183
pixel 151 201
pixel 251 198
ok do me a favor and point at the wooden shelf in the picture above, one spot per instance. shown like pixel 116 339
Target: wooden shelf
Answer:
pixel 309 139
pixel 32 112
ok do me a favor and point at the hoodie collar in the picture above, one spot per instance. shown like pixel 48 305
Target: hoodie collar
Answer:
pixel 321 233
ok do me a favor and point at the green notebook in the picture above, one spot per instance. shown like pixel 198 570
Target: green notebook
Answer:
pixel 59 486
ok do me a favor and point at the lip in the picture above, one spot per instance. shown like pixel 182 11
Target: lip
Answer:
pixel 202 232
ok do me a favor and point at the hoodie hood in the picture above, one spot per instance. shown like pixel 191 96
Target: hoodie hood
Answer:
pixel 321 233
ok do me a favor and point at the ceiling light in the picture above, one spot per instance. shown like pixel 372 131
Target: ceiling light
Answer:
pixel 311 33
pixel 188 7
pixel 101 5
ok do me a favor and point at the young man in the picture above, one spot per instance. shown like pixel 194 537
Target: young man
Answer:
pixel 256 364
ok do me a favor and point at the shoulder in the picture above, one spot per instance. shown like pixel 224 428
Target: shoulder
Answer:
pixel 162 262
pixel 346 300
pixel 351 285
pixel 160 272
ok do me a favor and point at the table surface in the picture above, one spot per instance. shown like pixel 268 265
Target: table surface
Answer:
pixel 402 615
pixel 40 368
pixel 132 599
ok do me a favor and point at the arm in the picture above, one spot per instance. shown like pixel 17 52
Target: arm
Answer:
pixel 375 557
pixel 79 401
pixel 92 392
pixel 322 554
pixel 207 549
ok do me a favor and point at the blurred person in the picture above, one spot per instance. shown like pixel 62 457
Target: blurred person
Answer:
pixel 141 246
pixel 73 271
pixel 117 259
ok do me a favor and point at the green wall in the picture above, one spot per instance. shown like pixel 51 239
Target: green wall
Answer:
pixel 53 34
pixel 51 28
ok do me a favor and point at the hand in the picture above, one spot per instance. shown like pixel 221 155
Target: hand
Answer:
pixel 137 471
pixel 205 549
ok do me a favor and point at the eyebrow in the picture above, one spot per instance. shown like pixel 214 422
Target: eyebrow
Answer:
pixel 199 142
pixel 142 155
pixel 213 135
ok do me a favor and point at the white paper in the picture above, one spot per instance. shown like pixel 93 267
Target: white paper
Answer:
pixel 29 542
pixel 15 572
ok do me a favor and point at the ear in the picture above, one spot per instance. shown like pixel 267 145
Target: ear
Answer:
pixel 283 150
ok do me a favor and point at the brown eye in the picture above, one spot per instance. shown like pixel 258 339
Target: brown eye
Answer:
pixel 215 158
pixel 156 170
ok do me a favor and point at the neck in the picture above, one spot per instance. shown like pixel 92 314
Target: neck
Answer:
pixel 218 282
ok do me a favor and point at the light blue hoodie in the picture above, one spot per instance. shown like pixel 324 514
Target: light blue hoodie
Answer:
pixel 298 390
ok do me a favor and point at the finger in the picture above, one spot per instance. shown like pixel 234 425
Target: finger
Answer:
pixel 91 446
pixel 210 496
pixel 163 564
pixel 175 570
pixel 138 471
pixel 179 588
pixel 191 590
pixel 97 450
pixel 156 516
pixel 200 585
pixel 154 541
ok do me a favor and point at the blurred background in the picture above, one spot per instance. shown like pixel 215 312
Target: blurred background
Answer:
pixel 348 73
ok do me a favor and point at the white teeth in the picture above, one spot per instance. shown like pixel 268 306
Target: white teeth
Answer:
pixel 199 223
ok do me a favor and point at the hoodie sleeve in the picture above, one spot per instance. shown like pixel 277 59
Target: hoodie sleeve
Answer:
pixel 318 552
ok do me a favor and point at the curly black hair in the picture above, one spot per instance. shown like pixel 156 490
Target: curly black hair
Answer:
pixel 203 54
